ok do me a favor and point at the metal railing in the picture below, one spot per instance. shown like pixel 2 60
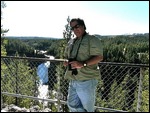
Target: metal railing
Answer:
pixel 123 87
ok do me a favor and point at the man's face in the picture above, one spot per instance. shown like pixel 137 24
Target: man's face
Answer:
pixel 77 29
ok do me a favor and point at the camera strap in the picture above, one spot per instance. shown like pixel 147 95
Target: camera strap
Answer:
pixel 78 46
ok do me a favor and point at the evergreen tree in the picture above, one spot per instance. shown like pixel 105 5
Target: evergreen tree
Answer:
pixel 18 78
pixel 3 31
pixel 67 35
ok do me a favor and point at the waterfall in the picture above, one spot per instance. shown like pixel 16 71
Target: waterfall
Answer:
pixel 42 72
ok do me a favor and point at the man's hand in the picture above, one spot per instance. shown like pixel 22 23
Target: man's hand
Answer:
pixel 76 64
pixel 65 63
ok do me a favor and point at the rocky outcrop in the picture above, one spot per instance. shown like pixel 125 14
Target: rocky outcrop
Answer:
pixel 13 108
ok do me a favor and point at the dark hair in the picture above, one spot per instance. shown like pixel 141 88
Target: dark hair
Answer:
pixel 79 21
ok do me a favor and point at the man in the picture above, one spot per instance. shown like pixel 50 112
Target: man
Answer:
pixel 83 54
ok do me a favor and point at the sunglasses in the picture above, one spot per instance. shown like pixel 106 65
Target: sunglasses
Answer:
pixel 76 26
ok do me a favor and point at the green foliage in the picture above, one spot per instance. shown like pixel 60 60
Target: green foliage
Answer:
pixel 60 68
pixel 67 35
pixel 126 49
pixel 3 50
pixel 3 31
pixel 122 49
pixel 17 78
pixel 145 92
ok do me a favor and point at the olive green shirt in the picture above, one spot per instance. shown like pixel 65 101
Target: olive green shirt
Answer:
pixel 88 46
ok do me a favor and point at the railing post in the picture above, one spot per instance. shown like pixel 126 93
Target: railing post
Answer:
pixel 1 101
pixel 58 89
pixel 140 91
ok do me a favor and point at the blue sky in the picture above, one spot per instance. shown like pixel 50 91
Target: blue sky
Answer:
pixel 48 18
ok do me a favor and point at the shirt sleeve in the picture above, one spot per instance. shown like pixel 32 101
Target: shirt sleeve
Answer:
pixel 96 47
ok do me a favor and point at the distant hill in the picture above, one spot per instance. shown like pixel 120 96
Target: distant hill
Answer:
pixel 29 37
pixel 97 35
pixel 130 35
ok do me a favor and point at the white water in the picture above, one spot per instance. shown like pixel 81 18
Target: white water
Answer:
pixel 43 93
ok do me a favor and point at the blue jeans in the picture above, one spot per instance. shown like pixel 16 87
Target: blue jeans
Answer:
pixel 81 95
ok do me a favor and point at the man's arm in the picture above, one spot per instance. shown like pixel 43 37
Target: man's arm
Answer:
pixel 93 60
